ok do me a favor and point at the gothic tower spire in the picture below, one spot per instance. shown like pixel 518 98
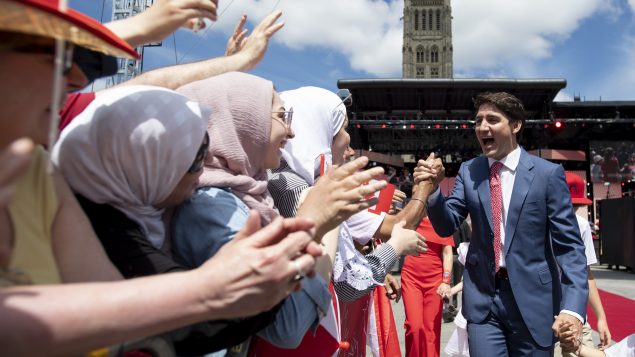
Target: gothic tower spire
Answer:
pixel 427 39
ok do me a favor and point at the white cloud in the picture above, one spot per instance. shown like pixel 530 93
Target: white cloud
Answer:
pixel 369 33
pixel 499 36
pixel 563 96
pixel 490 34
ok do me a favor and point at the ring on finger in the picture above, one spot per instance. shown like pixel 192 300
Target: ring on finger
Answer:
pixel 299 275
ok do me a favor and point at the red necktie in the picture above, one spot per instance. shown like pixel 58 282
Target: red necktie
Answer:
pixel 496 202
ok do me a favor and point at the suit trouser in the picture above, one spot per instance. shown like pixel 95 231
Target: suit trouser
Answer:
pixel 503 332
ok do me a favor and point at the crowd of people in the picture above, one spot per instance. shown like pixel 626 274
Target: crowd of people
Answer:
pixel 611 164
pixel 198 206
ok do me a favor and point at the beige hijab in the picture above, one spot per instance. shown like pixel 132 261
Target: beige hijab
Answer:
pixel 129 148
pixel 239 129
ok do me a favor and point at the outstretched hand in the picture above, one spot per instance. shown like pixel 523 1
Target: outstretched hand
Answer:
pixel 235 41
pixel 407 241
pixel 340 193
pixel 260 267
pixel 163 18
pixel 254 46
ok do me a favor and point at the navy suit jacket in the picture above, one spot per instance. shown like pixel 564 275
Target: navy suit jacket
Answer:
pixel 544 253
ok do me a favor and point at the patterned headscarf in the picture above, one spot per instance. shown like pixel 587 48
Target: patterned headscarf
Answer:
pixel 130 148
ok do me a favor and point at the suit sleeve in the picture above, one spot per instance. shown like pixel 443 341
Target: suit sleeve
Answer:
pixel 447 213
pixel 568 247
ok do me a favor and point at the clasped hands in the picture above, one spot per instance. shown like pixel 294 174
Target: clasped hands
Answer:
pixel 430 170
pixel 568 329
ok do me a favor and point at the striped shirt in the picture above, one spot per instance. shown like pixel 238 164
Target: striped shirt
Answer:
pixel 285 187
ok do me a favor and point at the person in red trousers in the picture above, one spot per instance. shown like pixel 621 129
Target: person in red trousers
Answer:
pixel 424 279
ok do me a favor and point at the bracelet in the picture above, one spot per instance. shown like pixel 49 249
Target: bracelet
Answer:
pixel 418 199
pixel 446 277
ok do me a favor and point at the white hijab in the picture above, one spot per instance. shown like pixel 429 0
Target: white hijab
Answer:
pixel 318 115
pixel 129 148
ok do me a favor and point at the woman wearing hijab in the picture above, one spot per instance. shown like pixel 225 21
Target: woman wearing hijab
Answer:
pixel 136 152
pixel 45 238
pixel 321 140
pixel 133 153
pixel 248 127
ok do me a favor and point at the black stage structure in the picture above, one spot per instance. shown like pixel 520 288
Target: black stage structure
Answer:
pixel 417 116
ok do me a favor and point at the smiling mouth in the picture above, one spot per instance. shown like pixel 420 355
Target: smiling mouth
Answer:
pixel 488 141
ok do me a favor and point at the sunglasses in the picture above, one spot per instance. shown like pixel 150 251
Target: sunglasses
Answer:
pixel 201 155
pixel 49 49
pixel 285 117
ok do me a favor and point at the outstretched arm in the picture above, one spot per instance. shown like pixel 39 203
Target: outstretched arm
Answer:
pixel 446 214
pixel 247 276
pixel 412 213
pixel 249 52
pixel 161 19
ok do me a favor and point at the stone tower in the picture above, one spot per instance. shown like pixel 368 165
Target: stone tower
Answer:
pixel 427 39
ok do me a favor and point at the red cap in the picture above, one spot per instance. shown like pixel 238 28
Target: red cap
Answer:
pixel 43 18
pixel 576 188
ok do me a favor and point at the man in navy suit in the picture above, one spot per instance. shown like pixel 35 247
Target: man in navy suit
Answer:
pixel 526 261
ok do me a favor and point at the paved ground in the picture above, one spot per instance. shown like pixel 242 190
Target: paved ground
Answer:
pixel 617 282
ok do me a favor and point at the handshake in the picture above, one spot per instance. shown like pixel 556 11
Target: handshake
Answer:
pixel 430 170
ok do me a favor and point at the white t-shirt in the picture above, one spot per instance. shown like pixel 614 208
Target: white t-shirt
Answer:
pixel 624 348
pixel 585 232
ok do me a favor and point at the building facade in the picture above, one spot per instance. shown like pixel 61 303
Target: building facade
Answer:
pixel 427 39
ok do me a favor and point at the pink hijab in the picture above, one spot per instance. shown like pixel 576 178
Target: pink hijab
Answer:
pixel 239 129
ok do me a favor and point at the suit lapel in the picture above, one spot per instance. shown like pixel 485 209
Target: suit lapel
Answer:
pixel 482 177
pixel 522 181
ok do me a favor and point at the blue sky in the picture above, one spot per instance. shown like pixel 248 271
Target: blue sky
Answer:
pixel 590 43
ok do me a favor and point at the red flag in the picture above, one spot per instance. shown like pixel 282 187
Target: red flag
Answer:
pixel 354 317
pixel 385 329
pixel 385 199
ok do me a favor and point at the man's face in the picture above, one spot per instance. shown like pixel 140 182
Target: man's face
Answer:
pixel 495 132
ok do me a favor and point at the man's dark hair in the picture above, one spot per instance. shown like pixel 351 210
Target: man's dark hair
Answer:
pixel 506 103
